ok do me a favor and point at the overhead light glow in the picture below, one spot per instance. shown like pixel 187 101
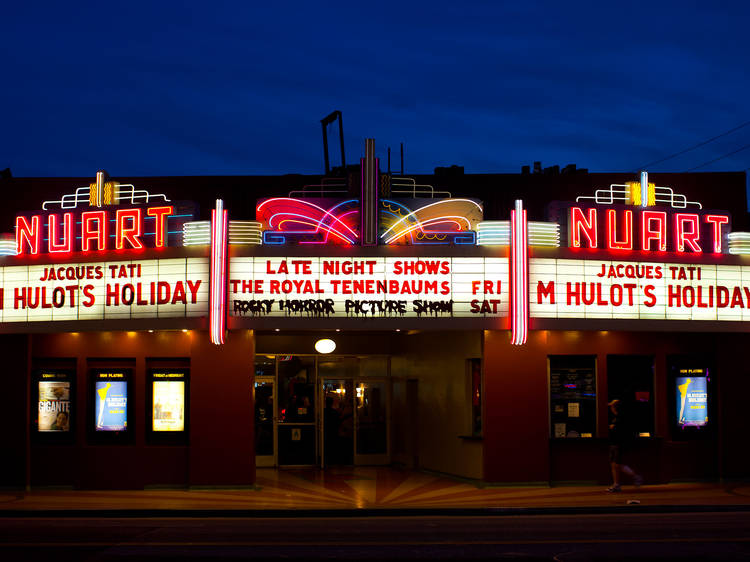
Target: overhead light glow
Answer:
pixel 325 346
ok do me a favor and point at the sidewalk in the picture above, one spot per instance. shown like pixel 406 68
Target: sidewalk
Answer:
pixel 372 491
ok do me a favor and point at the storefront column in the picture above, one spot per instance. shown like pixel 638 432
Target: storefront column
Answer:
pixel 515 409
pixel 221 411
pixel 14 413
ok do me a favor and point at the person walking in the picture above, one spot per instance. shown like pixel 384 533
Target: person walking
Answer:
pixel 619 437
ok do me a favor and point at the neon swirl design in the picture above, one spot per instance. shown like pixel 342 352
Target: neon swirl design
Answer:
pixel 440 222
pixel 288 219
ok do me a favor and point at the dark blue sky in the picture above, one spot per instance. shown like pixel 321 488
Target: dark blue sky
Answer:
pixel 193 88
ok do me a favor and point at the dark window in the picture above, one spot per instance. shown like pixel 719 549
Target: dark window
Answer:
pixel 572 393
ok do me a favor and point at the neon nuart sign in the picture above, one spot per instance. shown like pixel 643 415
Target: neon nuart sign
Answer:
pixel 92 231
pixel 646 230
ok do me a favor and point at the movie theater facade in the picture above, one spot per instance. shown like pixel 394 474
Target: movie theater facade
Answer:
pixel 146 344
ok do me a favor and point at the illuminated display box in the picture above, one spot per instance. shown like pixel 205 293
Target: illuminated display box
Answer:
pixel 168 392
pixel 54 407
pixel 112 397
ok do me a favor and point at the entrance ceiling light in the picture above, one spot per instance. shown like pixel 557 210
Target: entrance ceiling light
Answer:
pixel 325 346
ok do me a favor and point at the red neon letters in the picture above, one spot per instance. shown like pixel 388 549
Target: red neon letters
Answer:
pixel 130 227
pixel 131 232
pixel 66 246
pixel 30 233
pixel 689 229
pixel 612 242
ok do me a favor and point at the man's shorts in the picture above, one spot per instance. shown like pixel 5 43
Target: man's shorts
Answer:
pixel 615 454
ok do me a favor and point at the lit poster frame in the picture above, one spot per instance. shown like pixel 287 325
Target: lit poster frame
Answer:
pixel 168 404
pixel 111 398
pixel 53 408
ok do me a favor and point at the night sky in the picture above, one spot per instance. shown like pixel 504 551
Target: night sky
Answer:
pixel 216 87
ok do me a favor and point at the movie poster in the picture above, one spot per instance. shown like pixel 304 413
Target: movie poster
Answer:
pixel 111 401
pixel 168 406
pixel 692 401
pixel 54 406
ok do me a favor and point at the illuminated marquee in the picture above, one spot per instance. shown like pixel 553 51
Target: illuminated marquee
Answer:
pixel 562 288
pixel 105 290
pixel 374 287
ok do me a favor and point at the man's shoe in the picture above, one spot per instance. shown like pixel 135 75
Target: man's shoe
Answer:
pixel 614 488
pixel 638 480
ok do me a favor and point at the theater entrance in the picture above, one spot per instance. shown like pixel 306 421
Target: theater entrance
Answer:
pixel 322 410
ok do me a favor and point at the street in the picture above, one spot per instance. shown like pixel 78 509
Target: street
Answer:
pixel 708 535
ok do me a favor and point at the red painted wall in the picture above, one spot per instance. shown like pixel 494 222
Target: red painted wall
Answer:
pixel 220 450
pixel 517 447
pixel 14 349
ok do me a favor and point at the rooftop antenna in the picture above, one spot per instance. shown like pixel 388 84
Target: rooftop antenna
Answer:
pixel 325 122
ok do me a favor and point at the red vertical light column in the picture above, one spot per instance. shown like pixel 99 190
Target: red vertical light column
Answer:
pixel 218 299
pixel 519 275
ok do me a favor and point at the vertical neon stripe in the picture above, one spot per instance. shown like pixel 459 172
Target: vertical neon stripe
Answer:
pixel 218 304
pixel 519 285
pixel 644 189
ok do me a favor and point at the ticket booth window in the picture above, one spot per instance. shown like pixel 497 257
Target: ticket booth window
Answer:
pixel 572 396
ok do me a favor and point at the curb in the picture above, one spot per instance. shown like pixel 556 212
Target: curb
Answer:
pixel 364 512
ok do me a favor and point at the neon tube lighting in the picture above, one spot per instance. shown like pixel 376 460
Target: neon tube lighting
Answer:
pixel 442 202
pixel 519 275
pixel 217 318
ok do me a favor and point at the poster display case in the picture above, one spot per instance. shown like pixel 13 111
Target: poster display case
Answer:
pixel 691 409
pixel 53 405
pixel 167 405
pixel 111 397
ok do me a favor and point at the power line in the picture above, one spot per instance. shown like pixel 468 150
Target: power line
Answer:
pixel 737 128
pixel 719 158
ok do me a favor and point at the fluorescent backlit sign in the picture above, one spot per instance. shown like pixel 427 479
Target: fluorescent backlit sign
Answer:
pixel 692 398
pixel 168 406
pixel 562 288
pixel 53 403
pixel 111 400
pixel 431 287
pixel 104 290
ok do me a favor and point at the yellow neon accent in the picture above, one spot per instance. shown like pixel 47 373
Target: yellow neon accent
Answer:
pixel 92 194
pixel 110 188
pixel 634 194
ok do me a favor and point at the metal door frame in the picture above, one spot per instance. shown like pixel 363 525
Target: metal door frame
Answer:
pixel 266 461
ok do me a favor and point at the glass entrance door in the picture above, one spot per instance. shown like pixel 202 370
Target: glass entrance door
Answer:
pixel 265 424
pixel 371 416
pixel 337 429
pixel 297 436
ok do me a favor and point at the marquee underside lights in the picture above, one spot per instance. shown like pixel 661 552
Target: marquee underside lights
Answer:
pixel 519 280
pixel 217 309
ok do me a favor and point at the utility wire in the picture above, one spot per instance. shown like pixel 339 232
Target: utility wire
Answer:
pixel 719 158
pixel 737 128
